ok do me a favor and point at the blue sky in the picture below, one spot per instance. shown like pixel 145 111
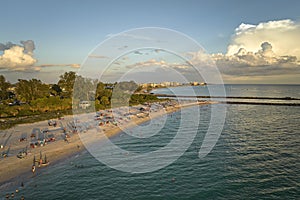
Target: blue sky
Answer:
pixel 64 32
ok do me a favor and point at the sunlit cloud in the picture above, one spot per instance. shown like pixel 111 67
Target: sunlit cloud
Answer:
pixel 262 62
pixel 283 35
pixel 15 58
pixel 266 49
pixel 20 57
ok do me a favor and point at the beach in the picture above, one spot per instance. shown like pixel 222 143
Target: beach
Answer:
pixel 68 137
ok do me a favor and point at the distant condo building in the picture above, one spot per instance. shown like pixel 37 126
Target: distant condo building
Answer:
pixel 170 84
pixel 163 84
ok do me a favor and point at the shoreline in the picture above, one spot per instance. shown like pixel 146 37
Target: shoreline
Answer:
pixel 13 171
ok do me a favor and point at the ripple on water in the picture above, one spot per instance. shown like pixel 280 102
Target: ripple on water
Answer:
pixel 256 157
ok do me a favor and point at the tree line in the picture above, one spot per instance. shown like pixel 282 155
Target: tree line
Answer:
pixel 31 97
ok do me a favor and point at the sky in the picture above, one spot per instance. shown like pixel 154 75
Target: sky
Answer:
pixel 247 41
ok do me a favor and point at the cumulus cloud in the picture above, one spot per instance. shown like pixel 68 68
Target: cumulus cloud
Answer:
pixel 16 57
pixel 264 61
pixel 266 49
pixel 283 35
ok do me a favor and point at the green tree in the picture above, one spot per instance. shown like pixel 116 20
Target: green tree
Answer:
pixel 104 101
pixel 29 90
pixel 102 91
pixel 56 90
pixel 66 83
pixel 4 85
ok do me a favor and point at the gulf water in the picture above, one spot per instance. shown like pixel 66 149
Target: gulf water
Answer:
pixel 256 157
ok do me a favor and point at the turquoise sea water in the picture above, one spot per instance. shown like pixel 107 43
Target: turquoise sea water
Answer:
pixel 256 157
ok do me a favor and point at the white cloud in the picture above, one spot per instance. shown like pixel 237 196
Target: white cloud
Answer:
pixel 283 35
pixel 264 58
pixel 267 49
pixel 16 59
pixel 21 58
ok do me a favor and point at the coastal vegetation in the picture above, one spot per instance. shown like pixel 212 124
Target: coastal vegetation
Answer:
pixel 32 100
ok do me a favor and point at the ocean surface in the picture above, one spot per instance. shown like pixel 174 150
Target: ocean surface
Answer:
pixel 257 156
pixel 269 91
